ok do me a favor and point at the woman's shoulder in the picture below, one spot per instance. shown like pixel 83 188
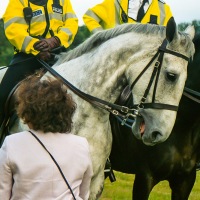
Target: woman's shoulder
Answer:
pixel 16 136
pixel 78 139
pixel 15 140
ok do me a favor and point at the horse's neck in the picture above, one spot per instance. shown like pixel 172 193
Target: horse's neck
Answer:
pixel 84 74
pixel 93 78
pixel 101 72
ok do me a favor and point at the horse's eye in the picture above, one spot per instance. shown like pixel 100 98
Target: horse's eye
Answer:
pixel 171 76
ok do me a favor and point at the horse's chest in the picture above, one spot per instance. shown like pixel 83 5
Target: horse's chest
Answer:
pixel 185 162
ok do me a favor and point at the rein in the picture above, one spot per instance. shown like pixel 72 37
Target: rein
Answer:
pixel 91 99
pixel 189 93
pixel 123 111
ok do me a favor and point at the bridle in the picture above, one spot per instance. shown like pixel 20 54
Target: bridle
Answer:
pixel 123 111
pixel 155 76
pixel 192 94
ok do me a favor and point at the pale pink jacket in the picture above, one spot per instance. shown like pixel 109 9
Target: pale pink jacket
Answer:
pixel 28 173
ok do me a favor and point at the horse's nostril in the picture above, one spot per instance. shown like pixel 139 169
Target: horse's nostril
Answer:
pixel 155 135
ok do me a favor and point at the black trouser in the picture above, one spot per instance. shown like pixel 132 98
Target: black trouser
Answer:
pixel 21 66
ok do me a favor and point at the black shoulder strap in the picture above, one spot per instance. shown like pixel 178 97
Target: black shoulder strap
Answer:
pixel 55 163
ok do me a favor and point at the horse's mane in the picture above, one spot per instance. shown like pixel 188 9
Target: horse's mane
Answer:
pixel 102 36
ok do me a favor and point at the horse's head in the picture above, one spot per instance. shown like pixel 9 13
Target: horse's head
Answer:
pixel 114 57
pixel 163 83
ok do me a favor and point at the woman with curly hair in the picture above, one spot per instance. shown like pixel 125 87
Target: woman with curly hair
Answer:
pixel 26 169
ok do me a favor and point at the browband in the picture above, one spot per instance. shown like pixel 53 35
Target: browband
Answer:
pixel 174 53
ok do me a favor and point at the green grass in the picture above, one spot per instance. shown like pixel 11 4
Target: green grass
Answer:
pixel 122 189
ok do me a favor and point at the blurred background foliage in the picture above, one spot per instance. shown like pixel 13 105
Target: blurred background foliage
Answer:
pixel 6 49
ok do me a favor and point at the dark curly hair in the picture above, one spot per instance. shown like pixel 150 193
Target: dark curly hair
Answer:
pixel 45 104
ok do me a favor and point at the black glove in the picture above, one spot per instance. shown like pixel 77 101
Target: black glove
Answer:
pixel 47 44
pixel 44 55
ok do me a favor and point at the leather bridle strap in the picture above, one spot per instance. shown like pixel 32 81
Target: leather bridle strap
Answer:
pixel 144 70
pixel 113 108
pixel 157 106
pixel 189 93
pixel 174 53
pixel 193 92
pixel 155 75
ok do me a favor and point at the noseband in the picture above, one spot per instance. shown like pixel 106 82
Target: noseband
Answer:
pixel 123 111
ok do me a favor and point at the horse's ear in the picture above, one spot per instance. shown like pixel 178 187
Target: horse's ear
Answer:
pixel 171 29
pixel 190 31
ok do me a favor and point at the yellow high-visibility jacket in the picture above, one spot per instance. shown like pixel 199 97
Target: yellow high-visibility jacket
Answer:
pixel 108 14
pixel 22 36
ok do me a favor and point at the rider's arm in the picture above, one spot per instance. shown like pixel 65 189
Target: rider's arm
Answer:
pixel 16 28
pixel 92 20
pixel 21 34
pixel 68 30
pixel 100 16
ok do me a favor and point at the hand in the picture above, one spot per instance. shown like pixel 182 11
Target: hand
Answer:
pixel 47 44
pixel 44 55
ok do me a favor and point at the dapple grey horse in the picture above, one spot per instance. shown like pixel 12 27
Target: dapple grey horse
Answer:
pixel 111 59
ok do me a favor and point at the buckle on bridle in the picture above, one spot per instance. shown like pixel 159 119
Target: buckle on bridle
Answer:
pixel 115 112
pixel 140 106
pixel 124 109
pixel 157 64
pixel 127 116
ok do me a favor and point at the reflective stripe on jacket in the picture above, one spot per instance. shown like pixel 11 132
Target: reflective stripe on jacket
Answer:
pixel 108 14
pixel 64 26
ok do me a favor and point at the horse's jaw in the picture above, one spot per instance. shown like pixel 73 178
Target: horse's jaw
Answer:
pixel 153 129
